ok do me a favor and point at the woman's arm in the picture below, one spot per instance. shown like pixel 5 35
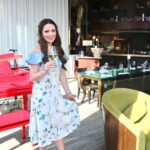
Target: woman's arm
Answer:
pixel 35 73
pixel 63 80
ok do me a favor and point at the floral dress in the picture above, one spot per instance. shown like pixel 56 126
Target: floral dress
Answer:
pixel 52 117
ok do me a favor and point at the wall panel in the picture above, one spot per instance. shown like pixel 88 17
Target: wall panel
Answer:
pixel 19 20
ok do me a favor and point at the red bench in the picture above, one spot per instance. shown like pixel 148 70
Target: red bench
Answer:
pixel 15 119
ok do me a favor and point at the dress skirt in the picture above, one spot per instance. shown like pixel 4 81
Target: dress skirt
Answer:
pixel 52 117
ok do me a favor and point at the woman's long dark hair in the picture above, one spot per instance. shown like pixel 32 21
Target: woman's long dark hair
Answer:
pixel 56 43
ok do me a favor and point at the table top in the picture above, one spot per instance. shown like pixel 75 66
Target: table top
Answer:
pixel 15 83
pixel 114 73
pixel 86 57
pixel 96 74
pixel 9 56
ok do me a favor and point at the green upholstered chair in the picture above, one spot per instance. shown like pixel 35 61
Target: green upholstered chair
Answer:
pixel 126 119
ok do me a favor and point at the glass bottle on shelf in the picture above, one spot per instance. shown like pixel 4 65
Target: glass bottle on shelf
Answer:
pixel 94 41
pixel 143 17
pixel 116 19
pixel 97 43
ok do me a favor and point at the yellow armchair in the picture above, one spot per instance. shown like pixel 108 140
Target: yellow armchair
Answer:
pixel 126 119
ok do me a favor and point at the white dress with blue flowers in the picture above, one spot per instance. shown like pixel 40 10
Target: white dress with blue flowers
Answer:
pixel 52 117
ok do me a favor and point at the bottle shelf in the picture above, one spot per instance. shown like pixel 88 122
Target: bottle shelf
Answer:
pixel 125 25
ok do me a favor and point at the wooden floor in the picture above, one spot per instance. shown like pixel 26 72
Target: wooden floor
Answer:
pixel 89 135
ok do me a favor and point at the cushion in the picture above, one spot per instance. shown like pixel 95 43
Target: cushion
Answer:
pixel 120 98
pixel 144 125
pixel 136 111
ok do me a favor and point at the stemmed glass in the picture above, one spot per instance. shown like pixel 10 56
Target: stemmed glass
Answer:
pixel 91 68
pixel 52 54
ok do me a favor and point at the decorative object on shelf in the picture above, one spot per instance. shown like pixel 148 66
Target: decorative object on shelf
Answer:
pixel 79 15
pixel 97 51
pixel 87 44
pixel 78 43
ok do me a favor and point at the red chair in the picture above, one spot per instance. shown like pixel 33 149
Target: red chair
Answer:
pixel 14 120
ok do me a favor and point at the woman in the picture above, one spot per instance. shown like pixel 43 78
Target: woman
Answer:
pixel 52 116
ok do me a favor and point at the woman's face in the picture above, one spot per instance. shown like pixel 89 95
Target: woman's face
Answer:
pixel 49 33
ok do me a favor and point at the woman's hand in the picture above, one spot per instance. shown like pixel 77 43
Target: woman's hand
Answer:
pixel 70 96
pixel 49 65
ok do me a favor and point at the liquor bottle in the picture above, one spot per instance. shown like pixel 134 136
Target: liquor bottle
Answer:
pixel 94 41
pixel 97 43
pixel 143 17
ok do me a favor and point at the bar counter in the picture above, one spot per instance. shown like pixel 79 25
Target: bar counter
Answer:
pixel 131 55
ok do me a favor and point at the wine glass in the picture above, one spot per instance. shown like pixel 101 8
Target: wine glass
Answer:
pixel 52 54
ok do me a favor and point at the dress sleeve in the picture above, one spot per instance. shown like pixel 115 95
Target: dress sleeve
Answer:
pixel 34 58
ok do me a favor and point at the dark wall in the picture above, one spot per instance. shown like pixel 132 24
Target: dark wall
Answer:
pixel 140 40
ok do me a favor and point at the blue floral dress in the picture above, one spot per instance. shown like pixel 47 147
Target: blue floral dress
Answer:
pixel 52 117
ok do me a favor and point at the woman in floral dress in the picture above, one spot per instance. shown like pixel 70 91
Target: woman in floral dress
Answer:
pixel 52 116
